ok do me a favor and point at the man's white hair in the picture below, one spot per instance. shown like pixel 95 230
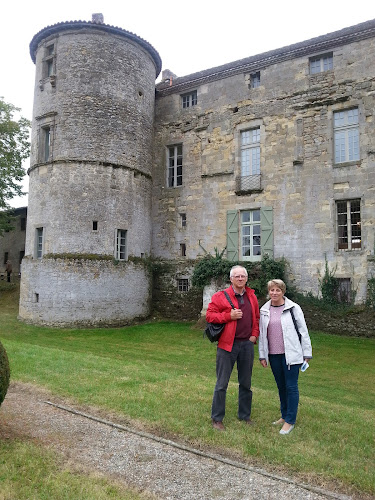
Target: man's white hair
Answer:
pixel 237 267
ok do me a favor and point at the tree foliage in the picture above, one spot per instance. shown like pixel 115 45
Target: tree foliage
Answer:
pixel 14 149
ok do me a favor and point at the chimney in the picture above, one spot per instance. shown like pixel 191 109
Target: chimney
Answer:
pixel 97 19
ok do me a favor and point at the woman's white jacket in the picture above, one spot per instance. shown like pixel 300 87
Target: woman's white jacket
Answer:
pixel 295 351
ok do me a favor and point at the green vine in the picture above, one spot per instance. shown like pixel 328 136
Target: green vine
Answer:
pixel 371 293
pixel 329 284
pixel 215 267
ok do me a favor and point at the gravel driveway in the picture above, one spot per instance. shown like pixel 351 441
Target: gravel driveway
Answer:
pixel 164 468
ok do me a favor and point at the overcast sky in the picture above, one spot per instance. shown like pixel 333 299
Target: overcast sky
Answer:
pixel 190 36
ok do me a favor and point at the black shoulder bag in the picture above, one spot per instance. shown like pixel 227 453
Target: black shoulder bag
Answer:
pixel 214 330
pixel 295 324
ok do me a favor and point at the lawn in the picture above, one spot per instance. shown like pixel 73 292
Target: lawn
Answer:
pixel 162 374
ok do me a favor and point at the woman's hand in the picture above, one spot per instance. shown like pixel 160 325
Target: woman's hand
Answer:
pixel 263 362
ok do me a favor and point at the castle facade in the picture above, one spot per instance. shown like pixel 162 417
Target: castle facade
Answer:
pixel 271 154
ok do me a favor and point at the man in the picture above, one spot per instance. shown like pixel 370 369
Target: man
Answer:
pixel 236 344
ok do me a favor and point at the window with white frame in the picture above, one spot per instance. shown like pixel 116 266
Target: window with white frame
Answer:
pixel 250 235
pixel 348 224
pixel 250 152
pixel 183 285
pixel 346 135
pixel 175 166
pixel 39 243
pixel 189 100
pixel 121 244
pixel 321 63
pixel 255 80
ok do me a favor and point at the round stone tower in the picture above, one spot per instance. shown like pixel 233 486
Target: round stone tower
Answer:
pixel 89 213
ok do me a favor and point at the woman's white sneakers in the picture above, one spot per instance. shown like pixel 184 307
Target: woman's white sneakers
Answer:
pixel 287 431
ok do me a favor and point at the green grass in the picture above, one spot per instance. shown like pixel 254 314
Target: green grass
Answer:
pixel 30 472
pixel 162 376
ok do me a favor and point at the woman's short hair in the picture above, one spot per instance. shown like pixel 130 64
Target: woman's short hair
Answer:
pixel 279 283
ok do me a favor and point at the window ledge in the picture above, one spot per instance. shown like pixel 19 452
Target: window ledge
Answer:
pixel 244 192
pixel 356 163
pixel 217 174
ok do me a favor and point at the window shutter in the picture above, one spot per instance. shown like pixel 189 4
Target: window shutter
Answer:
pixel 232 235
pixel 266 224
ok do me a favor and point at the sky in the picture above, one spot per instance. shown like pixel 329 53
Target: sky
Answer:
pixel 189 36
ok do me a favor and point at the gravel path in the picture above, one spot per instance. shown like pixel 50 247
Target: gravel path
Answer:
pixel 168 470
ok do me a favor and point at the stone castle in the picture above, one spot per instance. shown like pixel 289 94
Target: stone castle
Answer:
pixel 272 154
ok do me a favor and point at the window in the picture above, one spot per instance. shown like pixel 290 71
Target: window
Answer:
pixel 183 285
pixel 321 63
pixel 6 256
pixel 346 135
pixel 189 100
pixel 46 143
pixel 250 160
pixel 249 234
pixel 49 58
pixel 348 224
pixel 22 255
pixel 183 249
pixel 255 80
pixel 23 223
pixel 94 225
pixel 121 244
pixel 183 220
pixel 344 290
pixel 175 166
pixel 39 242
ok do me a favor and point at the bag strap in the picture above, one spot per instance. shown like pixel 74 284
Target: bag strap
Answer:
pixel 228 298
pixel 295 324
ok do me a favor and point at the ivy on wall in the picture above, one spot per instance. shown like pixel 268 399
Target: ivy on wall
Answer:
pixel 259 273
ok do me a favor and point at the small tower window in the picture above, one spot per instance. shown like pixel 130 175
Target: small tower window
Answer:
pixel 94 225
pixel 183 220
pixel 183 249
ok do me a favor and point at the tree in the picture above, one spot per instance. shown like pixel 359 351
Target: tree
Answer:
pixel 14 149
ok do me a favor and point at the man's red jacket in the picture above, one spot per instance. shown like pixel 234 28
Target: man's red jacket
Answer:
pixel 218 311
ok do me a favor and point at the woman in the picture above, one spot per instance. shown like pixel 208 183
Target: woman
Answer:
pixel 284 348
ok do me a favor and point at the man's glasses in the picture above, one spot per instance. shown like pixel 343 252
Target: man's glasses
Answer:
pixel 239 276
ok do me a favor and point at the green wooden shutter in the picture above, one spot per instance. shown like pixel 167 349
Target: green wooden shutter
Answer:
pixel 266 224
pixel 232 235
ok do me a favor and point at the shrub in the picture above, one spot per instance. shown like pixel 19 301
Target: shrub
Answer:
pixel 371 293
pixel 218 268
pixel 329 285
pixel 4 373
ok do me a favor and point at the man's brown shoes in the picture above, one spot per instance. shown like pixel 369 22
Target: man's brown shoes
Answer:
pixel 249 422
pixel 219 426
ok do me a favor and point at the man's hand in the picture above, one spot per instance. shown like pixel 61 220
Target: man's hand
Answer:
pixel 235 314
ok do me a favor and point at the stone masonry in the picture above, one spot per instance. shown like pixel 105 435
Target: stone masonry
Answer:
pixel 169 171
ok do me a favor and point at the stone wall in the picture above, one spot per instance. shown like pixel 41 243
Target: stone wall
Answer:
pixel 299 179
pixel 167 300
pixel 83 293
